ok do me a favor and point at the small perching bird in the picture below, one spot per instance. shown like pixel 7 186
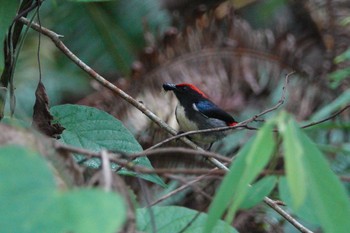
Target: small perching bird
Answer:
pixel 196 112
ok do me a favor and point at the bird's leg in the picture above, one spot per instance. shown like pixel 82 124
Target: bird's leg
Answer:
pixel 210 146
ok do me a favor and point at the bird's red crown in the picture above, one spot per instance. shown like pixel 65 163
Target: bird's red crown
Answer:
pixel 193 87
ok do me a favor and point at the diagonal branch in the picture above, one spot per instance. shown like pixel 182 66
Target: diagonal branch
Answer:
pixel 55 38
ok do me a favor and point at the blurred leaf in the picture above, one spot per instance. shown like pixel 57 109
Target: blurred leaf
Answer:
pixel 30 202
pixel 250 160
pixel 117 37
pixel 76 212
pixel 15 122
pixel 308 174
pixel 258 191
pixel 263 13
pixel 93 129
pixel 172 219
pixel 327 110
pixel 345 56
pixel 306 210
pixel 8 11
pixel 345 21
pixel 230 143
pixel 294 157
pixel 338 76
pixel 122 53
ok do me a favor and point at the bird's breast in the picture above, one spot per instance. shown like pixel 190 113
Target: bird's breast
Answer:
pixel 184 122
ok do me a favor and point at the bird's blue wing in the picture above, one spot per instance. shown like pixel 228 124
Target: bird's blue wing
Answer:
pixel 211 110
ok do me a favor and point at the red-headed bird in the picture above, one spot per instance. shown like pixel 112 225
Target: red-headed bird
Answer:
pixel 196 112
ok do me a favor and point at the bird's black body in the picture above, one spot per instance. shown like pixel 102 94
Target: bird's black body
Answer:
pixel 195 112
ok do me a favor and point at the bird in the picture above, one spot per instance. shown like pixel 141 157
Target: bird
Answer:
pixel 195 111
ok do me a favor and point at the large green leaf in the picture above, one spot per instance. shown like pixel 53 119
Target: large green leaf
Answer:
pixel 294 157
pixel 30 201
pixel 306 211
pixel 250 160
pixel 309 175
pixel 7 13
pixel 93 129
pixel 258 191
pixel 172 219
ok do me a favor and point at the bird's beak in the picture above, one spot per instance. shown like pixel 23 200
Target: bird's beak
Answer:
pixel 169 87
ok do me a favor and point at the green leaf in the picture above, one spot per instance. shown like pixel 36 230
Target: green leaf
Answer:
pixel 338 76
pixel 335 105
pixel 30 201
pixel 250 160
pixel 306 211
pixel 8 11
pixel 22 195
pixel 294 157
pixel 93 129
pixel 345 56
pixel 308 174
pixel 75 211
pixel 172 219
pixel 258 191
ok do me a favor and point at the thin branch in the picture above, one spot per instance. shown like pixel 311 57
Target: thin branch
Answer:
pixel 106 171
pixel 327 119
pixel 180 150
pixel 190 222
pixel 159 151
pixel 59 44
pixel 285 215
pixel 181 188
pixel 195 188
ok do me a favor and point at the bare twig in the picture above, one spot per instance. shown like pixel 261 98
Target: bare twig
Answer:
pixel 106 171
pixel 195 188
pixel 181 188
pixel 326 119
pixel 190 222
pixel 159 151
pixel 285 215
pixel 59 44
pixel 180 150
